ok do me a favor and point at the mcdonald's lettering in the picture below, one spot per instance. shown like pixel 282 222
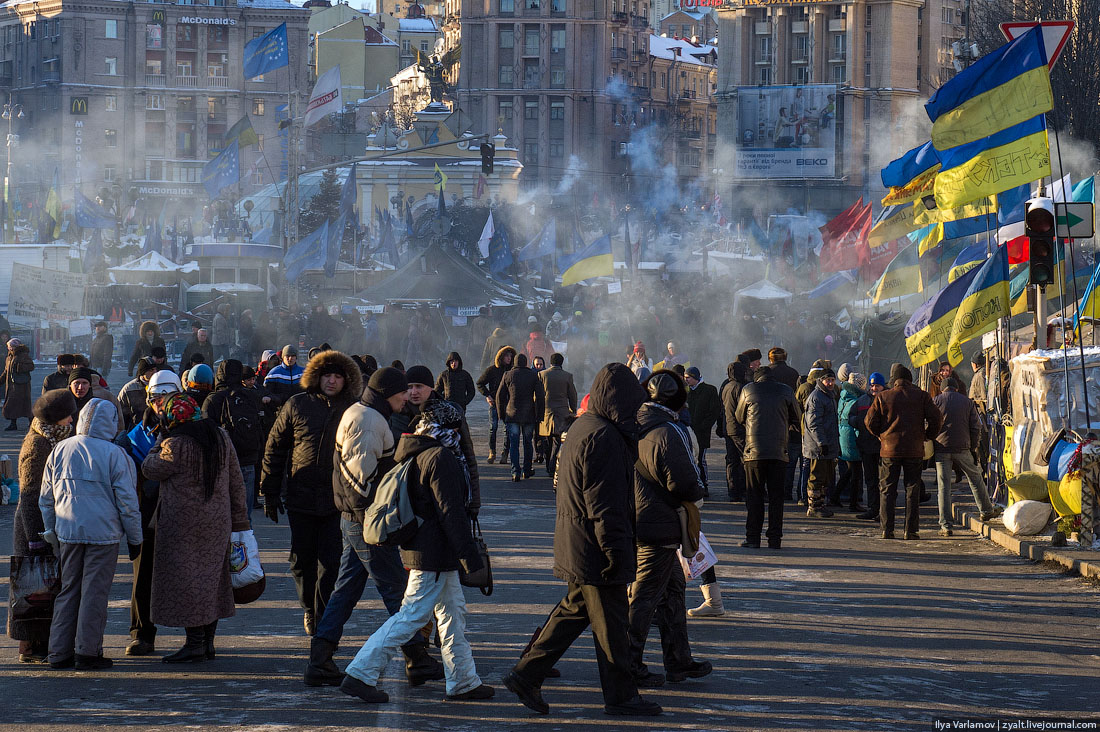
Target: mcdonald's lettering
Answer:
pixel 78 105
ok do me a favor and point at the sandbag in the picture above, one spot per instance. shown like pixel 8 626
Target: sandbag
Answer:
pixel 1027 518
pixel 1028 486
pixel 1065 495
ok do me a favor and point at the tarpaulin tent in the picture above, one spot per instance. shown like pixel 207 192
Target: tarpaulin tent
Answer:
pixel 762 291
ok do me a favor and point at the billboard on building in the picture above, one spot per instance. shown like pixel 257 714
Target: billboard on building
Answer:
pixel 786 131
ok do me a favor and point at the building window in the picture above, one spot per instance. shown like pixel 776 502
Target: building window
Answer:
pixel 504 76
pixel 257 32
pixel 154 101
pixel 531 41
pixel 557 39
pixel 111 29
pixel 530 109
pixel 110 103
pixel 802 75
pixel 530 153
pixel 507 38
pixel 505 108
pixel 423 47
pixel 112 66
pixel 154 35
pixel 557 77
pixel 532 4
pixel 531 73
pixel 840 45
pixel 557 110
pixel 110 138
pixel 867 21
pixel 764 75
pixel 557 148
pixel 258 106
pixel 109 172
pixel 507 6
pixel 259 143
pixel 838 73
pixel 557 6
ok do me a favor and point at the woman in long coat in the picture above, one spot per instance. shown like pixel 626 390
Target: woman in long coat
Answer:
pixel 17 382
pixel 53 422
pixel 202 500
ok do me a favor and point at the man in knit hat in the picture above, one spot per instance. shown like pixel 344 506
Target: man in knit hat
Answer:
pixel 59 379
pixel 284 381
pixel 821 442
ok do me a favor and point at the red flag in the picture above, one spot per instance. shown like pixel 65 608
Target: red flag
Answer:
pixel 845 239
pixel 1019 250
pixel 879 257
pixel 479 191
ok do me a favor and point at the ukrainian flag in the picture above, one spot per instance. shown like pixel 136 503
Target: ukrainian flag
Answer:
pixel 928 237
pixel 592 261
pixel 986 301
pixel 901 277
pixel 912 176
pixel 1010 158
pixel 1002 89
pixel 893 223
pixel 1090 303
pixel 968 259
pixel 965 212
pixel 928 332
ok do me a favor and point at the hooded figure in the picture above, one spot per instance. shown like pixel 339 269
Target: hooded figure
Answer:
pixel 496 340
pixel 455 384
pixel 148 338
pixel 488 384
pixel 537 346
pixel 17 383
pixel 237 410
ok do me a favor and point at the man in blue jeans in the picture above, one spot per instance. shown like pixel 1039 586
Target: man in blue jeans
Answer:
pixel 487 384
pixel 364 453
pixel 520 403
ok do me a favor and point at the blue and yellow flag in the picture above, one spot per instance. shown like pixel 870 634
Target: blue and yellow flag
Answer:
pixel 901 277
pixel 986 167
pixel 894 222
pixel 53 207
pixel 1003 88
pixel 1090 302
pixel 928 237
pixel 928 332
pixel 439 179
pixel 968 259
pixel 911 177
pixel 592 261
pixel 986 301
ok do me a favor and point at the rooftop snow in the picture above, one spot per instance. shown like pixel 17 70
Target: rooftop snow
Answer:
pixel 660 47
pixel 417 25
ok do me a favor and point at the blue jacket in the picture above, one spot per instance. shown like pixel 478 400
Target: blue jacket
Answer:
pixel 284 381
pixel 849 447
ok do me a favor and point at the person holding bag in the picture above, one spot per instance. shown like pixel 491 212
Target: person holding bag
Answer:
pixel 17 382
pixel 201 502
pixel 52 423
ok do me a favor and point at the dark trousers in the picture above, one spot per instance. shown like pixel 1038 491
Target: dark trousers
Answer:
pixel 870 480
pixel 851 481
pixel 553 447
pixel 657 596
pixel 765 479
pixel 315 548
pixel 141 624
pixel 520 433
pixel 606 609
pixel 794 462
pixel 889 472
pixel 735 470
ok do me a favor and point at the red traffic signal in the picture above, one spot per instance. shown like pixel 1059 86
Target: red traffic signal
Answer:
pixel 1039 227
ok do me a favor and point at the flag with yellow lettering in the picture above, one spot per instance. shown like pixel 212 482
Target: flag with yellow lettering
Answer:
pixel 986 167
pixel 986 301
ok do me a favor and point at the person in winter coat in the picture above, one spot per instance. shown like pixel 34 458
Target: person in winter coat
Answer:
pixel 766 410
pixel 305 434
pixel 455 384
pixel 902 417
pixel 786 374
pixel 594 550
pixel 497 340
pixel 17 384
pixel 132 396
pixel 199 383
pixel 673 357
pixel 781 371
pixel 84 385
pixel 52 423
pixel 665 478
pixel 944 372
pixel 59 379
pixel 103 349
pixel 705 408
pixel 867 444
pixel 201 501
pixel 284 380
pixel 561 405
pixel 637 360
pixel 537 346
pixel 222 336
pixel 487 384
pixel 148 338
pixel 850 392
pixel 200 344
pixel 444 543
pixel 959 434
pixel 821 442
pixel 737 376
pixel 89 502
pixel 520 402
pixel 237 410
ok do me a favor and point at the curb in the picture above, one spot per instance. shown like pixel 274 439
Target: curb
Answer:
pixel 1036 548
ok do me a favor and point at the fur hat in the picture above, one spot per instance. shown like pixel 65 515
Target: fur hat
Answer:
pixel 897 371
pixel 747 357
pixel 419 375
pixel 388 381
pixel 66 359
pixel 54 406
pixel 777 354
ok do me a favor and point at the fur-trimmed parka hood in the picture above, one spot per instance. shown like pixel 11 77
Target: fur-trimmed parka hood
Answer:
pixel 498 361
pixel 145 325
pixel 353 378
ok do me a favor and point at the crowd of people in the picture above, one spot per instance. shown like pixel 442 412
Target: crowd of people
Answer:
pixel 179 457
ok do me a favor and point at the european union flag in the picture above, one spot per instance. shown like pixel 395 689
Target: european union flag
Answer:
pixel 500 253
pixel 266 53
pixel 309 253
pixel 222 171
pixel 90 215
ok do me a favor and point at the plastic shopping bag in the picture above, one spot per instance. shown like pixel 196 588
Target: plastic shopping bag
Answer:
pixel 245 572
pixel 35 582
pixel 700 561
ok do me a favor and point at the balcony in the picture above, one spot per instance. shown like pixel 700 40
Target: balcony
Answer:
pixel 764 58
pixel 157 80
pixel 187 82
pixel 620 17
pixel 762 29
pixel 838 56
pixel 186 115
pixel 215 119
pixel 838 25
pixel 49 77
pixel 800 26
pixel 638 21
pixel 800 57
pixel 690 134
pixel 641 55
pixel 217 82
pixel 618 54
pixel 639 92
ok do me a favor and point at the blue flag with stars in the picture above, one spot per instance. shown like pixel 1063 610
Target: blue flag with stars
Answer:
pixel 266 53
pixel 222 171
pixel 90 215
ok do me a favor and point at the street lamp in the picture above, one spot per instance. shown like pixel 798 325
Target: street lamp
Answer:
pixel 11 111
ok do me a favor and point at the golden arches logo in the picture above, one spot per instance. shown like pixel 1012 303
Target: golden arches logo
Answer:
pixel 159 17
pixel 78 105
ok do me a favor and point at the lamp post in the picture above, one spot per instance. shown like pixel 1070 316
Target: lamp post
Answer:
pixel 11 111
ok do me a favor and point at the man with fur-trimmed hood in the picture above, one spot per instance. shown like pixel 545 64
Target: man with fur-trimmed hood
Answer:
pixel 148 338
pixel 305 434
pixel 488 384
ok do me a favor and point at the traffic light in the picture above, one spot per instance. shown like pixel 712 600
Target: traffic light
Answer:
pixel 1039 227
pixel 487 153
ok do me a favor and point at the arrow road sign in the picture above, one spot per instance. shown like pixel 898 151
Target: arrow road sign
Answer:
pixel 1055 35
pixel 1073 220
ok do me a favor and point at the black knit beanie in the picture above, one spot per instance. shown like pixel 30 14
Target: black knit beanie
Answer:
pixel 419 375
pixel 388 381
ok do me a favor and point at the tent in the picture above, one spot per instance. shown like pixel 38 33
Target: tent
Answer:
pixel 440 274
pixel 762 291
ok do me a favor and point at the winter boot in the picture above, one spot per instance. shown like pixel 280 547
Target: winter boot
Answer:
pixel 321 671
pixel 208 640
pixel 420 666
pixel 194 648
pixel 712 602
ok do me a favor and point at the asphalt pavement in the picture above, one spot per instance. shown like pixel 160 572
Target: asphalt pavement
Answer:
pixel 838 630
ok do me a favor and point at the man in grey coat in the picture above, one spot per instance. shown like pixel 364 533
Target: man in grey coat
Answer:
pixel 821 442
pixel 959 434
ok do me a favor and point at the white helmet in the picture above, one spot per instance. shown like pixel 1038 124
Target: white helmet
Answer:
pixel 164 381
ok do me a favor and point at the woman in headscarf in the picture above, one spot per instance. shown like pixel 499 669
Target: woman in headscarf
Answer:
pixel 202 500
pixel 17 383
pixel 53 422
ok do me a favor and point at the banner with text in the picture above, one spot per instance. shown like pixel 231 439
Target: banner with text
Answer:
pixel 786 131
pixel 45 294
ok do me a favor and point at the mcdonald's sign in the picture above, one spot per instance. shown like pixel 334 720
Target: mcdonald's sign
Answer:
pixel 78 105
pixel 159 17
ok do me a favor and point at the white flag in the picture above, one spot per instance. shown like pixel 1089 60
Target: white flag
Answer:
pixel 486 236
pixel 326 97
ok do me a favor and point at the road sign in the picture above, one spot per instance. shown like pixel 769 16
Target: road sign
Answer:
pixel 1073 220
pixel 1055 35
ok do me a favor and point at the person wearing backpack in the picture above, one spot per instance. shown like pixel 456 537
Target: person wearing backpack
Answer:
pixel 237 410
pixel 437 489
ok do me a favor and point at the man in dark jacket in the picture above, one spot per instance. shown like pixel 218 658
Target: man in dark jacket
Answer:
pixel 444 543
pixel 200 343
pixel 455 384
pixel 782 372
pixel 705 408
pixel 238 411
pixel 959 435
pixel 594 549
pixel 666 477
pixel 59 379
pixel 132 399
pixel 148 339
pixel 520 403
pixel 868 444
pixel 785 374
pixel 766 409
pixel 305 434
pixel 487 384
pixel 734 431
pixel 902 417
pixel 103 349
pixel 821 442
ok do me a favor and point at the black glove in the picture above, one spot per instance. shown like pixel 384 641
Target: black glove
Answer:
pixel 273 507
pixel 609 572
pixel 472 511
pixel 135 550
